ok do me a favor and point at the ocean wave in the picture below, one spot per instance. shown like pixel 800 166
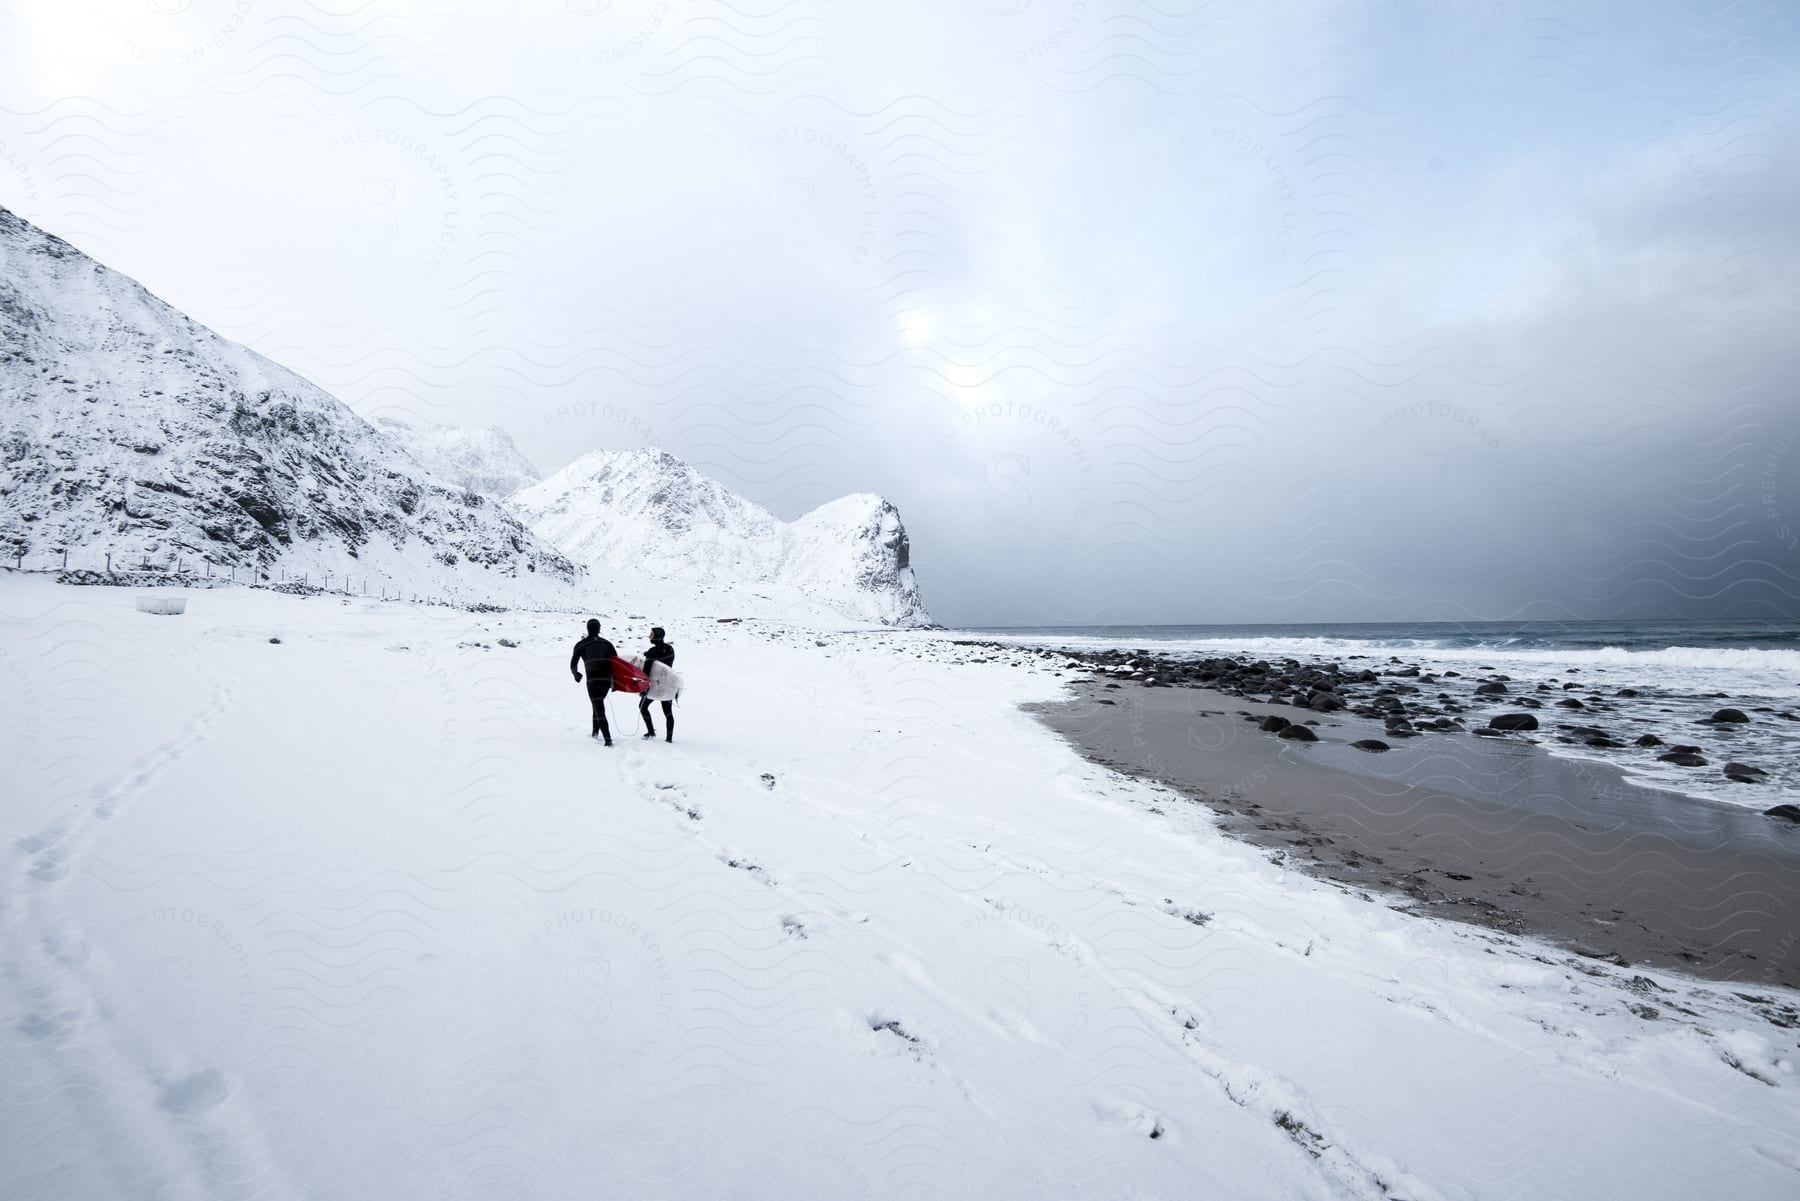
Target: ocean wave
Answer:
pixel 1742 671
pixel 1532 649
pixel 1703 658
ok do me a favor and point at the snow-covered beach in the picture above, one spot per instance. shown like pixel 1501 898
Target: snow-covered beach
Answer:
pixel 361 912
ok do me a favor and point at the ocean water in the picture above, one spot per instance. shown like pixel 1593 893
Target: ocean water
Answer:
pixel 1683 666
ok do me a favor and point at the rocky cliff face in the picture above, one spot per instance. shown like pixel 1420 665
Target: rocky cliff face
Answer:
pixel 664 534
pixel 856 548
pixel 128 427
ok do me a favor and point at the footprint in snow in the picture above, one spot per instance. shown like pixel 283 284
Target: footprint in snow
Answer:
pixel 196 1093
pixel 881 1024
pixel 1131 1115
pixel 51 866
pixel 50 1027
pixel 743 864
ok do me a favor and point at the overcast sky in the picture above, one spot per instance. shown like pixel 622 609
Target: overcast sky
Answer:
pixel 1182 313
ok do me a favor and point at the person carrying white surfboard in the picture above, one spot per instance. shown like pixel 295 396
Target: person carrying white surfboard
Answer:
pixel 665 685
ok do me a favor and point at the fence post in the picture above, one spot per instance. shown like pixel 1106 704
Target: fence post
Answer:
pixel 65 558
pixel 109 563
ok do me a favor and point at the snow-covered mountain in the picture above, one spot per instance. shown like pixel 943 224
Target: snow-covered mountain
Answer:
pixel 478 460
pixel 664 534
pixel 127 427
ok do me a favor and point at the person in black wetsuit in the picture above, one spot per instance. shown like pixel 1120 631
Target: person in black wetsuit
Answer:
pixel 596 654
pixel 664 653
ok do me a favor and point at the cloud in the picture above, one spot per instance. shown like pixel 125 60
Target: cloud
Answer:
pixel 1141 314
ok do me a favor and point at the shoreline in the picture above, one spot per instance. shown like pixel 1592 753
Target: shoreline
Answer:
pixel 1486 832
pixel 1662 731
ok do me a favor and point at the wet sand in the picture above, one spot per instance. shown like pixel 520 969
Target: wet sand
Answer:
pixel 1489 831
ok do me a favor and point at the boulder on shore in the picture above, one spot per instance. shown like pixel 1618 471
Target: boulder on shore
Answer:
pixel 1513 721
pixel 1791 812
pixel 1275 724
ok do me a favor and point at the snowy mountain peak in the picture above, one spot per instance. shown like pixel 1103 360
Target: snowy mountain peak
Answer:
pixel 484 461
pixel 651 523
pixel 128 428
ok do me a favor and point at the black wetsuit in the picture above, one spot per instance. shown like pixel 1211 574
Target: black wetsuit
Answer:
pixel 664 653
pixel 596 654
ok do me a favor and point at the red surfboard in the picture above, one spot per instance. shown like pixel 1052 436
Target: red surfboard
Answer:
pixel 627 678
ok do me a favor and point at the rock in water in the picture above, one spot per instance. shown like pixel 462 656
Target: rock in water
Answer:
pixel 1370 744
pixel 1729 717
pixel 1297 733
pixel 1743 773
pixel 1513 721
pixel 1682 759
pixel 1790 812
pixel 1275 724
pixel 1649 740
pixel 1491 688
